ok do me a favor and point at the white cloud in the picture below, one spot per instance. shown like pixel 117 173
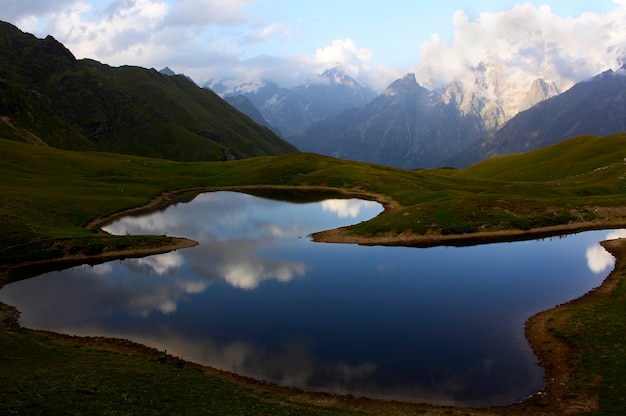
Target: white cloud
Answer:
pixel 209 12
pixel 598 259
pixel 163 263
pixel 614 235
pixel 213 39
pixel 275 29
pixel 345 208
pixel 250 274
pixel 12 10
pixel 294 70
pixel 524 43
pixel 344 51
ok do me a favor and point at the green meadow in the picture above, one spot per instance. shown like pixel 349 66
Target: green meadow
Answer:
pixel 49 197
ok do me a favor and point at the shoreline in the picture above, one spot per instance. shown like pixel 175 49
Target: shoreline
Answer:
pixel 552 354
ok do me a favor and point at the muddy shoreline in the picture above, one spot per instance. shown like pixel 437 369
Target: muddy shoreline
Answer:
pixel 552 354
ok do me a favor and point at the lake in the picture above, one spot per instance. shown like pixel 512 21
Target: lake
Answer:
pixel 442 325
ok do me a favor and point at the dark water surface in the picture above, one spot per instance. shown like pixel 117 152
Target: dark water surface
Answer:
pixel 257 297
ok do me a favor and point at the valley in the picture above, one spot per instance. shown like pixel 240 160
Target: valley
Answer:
pixel 83 142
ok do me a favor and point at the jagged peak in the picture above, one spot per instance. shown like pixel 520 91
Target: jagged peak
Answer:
pixel 405 84
pixel 337 69
pixel 540 90
pixel 338 75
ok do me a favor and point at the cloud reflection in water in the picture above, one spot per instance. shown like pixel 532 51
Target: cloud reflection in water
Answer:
pixel 598 259
pixel 395 322
pixel 346 208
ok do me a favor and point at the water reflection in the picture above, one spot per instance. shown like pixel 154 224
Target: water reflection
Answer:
pixel 443 325
pixel 346 208
pixel 598 259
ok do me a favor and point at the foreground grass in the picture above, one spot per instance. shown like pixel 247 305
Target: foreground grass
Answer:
pixel 43 377
pixel 48 197
pixel 593 327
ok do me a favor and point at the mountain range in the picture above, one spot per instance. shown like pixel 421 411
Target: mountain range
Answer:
pixel 592 107
pixel 409 126
pixel 406 126
pixel 291 110
pixel 48 97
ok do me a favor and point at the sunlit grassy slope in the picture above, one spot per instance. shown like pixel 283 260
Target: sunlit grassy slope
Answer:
pixel 49 195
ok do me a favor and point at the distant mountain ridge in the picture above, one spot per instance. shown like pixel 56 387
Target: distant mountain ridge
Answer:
pixel 409 126
pixel 49 98
pixel 457 116
pixel 292 110
pixel 243 104
pixel 406 126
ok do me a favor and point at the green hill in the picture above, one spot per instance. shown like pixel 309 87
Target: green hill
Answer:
pixel 568 159
pixel 48 97
pixel 49 195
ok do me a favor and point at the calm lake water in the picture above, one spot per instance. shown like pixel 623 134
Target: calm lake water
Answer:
pixel 441 325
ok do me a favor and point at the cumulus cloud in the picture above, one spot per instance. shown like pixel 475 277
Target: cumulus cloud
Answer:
pixel 525 43
pixel 211 39
pixel 346 208
pixel 289 71
pixel 344 51
pixel 275 29
pixel 208 12
pixel 598 259
pixel 16 10
pixel 205 39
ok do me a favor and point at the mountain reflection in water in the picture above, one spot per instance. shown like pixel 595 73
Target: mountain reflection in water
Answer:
pixel 257 297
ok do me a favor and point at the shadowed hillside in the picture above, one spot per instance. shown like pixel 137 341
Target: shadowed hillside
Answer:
pixel 48 97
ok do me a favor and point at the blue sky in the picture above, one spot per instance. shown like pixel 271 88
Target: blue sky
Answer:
pixel 291 40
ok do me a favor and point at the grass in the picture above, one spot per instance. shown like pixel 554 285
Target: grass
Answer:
pixel 48 196
pixel 594 330
pixel 42 377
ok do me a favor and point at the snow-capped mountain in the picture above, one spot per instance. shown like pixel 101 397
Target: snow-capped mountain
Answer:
pixel 410 126
pixel 595 106
pixel 291 110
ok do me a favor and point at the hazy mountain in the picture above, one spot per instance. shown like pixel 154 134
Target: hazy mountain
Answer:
pixel 406 126
pixel 291 110
pixel 50 98
pixel 244 105
pixel 540 90
pixel 593 107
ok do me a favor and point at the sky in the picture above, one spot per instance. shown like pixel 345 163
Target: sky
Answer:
pixel 290 41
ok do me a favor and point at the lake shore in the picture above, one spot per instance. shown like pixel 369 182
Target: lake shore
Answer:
pixel 552 354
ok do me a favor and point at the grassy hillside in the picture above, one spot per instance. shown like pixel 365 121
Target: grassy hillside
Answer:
pixel 49 195
pixel 49 97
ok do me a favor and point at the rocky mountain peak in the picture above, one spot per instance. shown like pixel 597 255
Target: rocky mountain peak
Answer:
pixel 405 85
pixel 540 90
pixel 338 76
pixel 335 75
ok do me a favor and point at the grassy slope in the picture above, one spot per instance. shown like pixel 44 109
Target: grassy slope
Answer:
pixel 47 96
pixel 48 196
pixel 57 378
